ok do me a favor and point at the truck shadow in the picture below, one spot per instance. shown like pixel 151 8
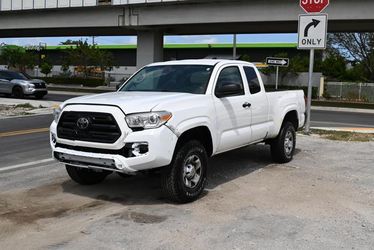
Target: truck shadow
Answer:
pixel 146 189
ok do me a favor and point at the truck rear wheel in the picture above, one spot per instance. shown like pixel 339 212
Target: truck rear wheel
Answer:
pixel 283 147
pixel 86 176
pixel 185 178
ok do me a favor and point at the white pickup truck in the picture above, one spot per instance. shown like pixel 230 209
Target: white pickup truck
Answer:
pixel 171 117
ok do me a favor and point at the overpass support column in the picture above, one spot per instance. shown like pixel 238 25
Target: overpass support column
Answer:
pixel 150 48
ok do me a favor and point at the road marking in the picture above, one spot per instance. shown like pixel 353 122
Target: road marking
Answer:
pixel 23 132
pixel 24 165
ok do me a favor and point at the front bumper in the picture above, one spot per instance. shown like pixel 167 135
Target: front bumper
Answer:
pixel 161 143
pixel 33 91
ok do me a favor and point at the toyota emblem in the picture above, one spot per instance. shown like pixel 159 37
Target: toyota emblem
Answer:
pixel 83 123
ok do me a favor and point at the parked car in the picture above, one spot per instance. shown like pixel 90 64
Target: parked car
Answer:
pixel 19 85
pixel 172 116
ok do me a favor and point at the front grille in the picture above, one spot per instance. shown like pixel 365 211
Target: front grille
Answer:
pixel 39 85
pixel 101 127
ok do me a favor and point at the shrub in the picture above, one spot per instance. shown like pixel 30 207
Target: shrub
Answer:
pixel 87 82
pixel 46 68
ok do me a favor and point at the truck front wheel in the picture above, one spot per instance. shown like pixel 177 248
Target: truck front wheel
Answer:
pixel 283 147
pixel 185 178
pixel 85 176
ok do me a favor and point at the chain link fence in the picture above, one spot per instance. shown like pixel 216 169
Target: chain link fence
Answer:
pixel 361 92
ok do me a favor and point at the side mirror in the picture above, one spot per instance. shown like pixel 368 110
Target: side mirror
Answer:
pixel 229 89
pixel 118 86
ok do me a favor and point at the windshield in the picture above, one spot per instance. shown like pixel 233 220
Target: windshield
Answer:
pixel 10 75
pixel 171 78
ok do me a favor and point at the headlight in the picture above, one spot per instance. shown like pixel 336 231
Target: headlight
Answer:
pixel 148 120
pixel 30 86
pixel 57 113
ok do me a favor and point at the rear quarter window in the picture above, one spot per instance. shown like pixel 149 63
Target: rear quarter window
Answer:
pixel 253 82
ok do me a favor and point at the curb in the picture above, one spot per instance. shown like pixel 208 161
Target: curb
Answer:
pixel 350 110
pixel 24 116
pixel 72 93
pixel 351 130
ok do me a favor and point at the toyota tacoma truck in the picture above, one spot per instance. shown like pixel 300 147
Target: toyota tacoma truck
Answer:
pixel 171 117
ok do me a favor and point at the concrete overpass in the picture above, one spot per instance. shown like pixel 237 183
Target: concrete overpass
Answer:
pixel 150 20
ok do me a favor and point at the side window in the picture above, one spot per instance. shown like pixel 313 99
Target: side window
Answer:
pixel 253 82
pixel 3 76
pixel 230 75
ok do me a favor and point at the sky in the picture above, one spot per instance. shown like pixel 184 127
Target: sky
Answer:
pixel 210 39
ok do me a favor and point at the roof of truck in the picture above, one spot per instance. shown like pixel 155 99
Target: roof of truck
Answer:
pixel 210 62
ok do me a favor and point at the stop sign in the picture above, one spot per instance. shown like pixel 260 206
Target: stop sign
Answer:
pixel 314 6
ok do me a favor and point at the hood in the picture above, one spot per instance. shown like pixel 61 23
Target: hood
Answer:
pixel 130 102
pixel 36 82
pixel 33 81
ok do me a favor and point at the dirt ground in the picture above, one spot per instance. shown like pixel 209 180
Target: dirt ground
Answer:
pixel 324 199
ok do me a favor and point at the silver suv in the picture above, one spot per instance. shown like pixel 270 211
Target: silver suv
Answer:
pixel 20 85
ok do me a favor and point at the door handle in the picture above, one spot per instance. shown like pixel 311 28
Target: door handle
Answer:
pixel 247 105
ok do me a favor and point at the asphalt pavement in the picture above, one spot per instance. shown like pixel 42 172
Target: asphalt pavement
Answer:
pixel 56 97
pixel 341 119
pixel 25 140
pixel 248 203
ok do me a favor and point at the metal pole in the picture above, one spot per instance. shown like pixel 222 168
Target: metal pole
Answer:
pixel 234 48
pixel 310 85
pixel 277 78
pixel 341 90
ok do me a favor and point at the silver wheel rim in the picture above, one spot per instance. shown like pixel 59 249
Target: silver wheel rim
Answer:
pixel 192 171
pixel 288 143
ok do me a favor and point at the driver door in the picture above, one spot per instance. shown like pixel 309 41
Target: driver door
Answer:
pixel 233 111
pixel 5 86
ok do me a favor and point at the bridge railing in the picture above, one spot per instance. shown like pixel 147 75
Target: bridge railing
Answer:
pixel 9 5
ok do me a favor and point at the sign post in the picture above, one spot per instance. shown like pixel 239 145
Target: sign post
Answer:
pixel 312 35
pixel 277 62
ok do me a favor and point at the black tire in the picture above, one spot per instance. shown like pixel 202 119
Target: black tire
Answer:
pixel 179 180
pixel 39 96
pixel 125 176
pixel 18 92
pixel 85 176
pixel 283 147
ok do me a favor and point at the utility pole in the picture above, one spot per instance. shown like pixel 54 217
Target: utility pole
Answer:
pixel 234 48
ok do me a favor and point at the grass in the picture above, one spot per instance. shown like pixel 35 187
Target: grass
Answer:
pixel 25 106
pixel 344 136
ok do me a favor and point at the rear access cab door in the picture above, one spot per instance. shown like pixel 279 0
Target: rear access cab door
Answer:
pixel 259 104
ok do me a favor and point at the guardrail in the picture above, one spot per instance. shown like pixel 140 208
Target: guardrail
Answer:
pixel 9 5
